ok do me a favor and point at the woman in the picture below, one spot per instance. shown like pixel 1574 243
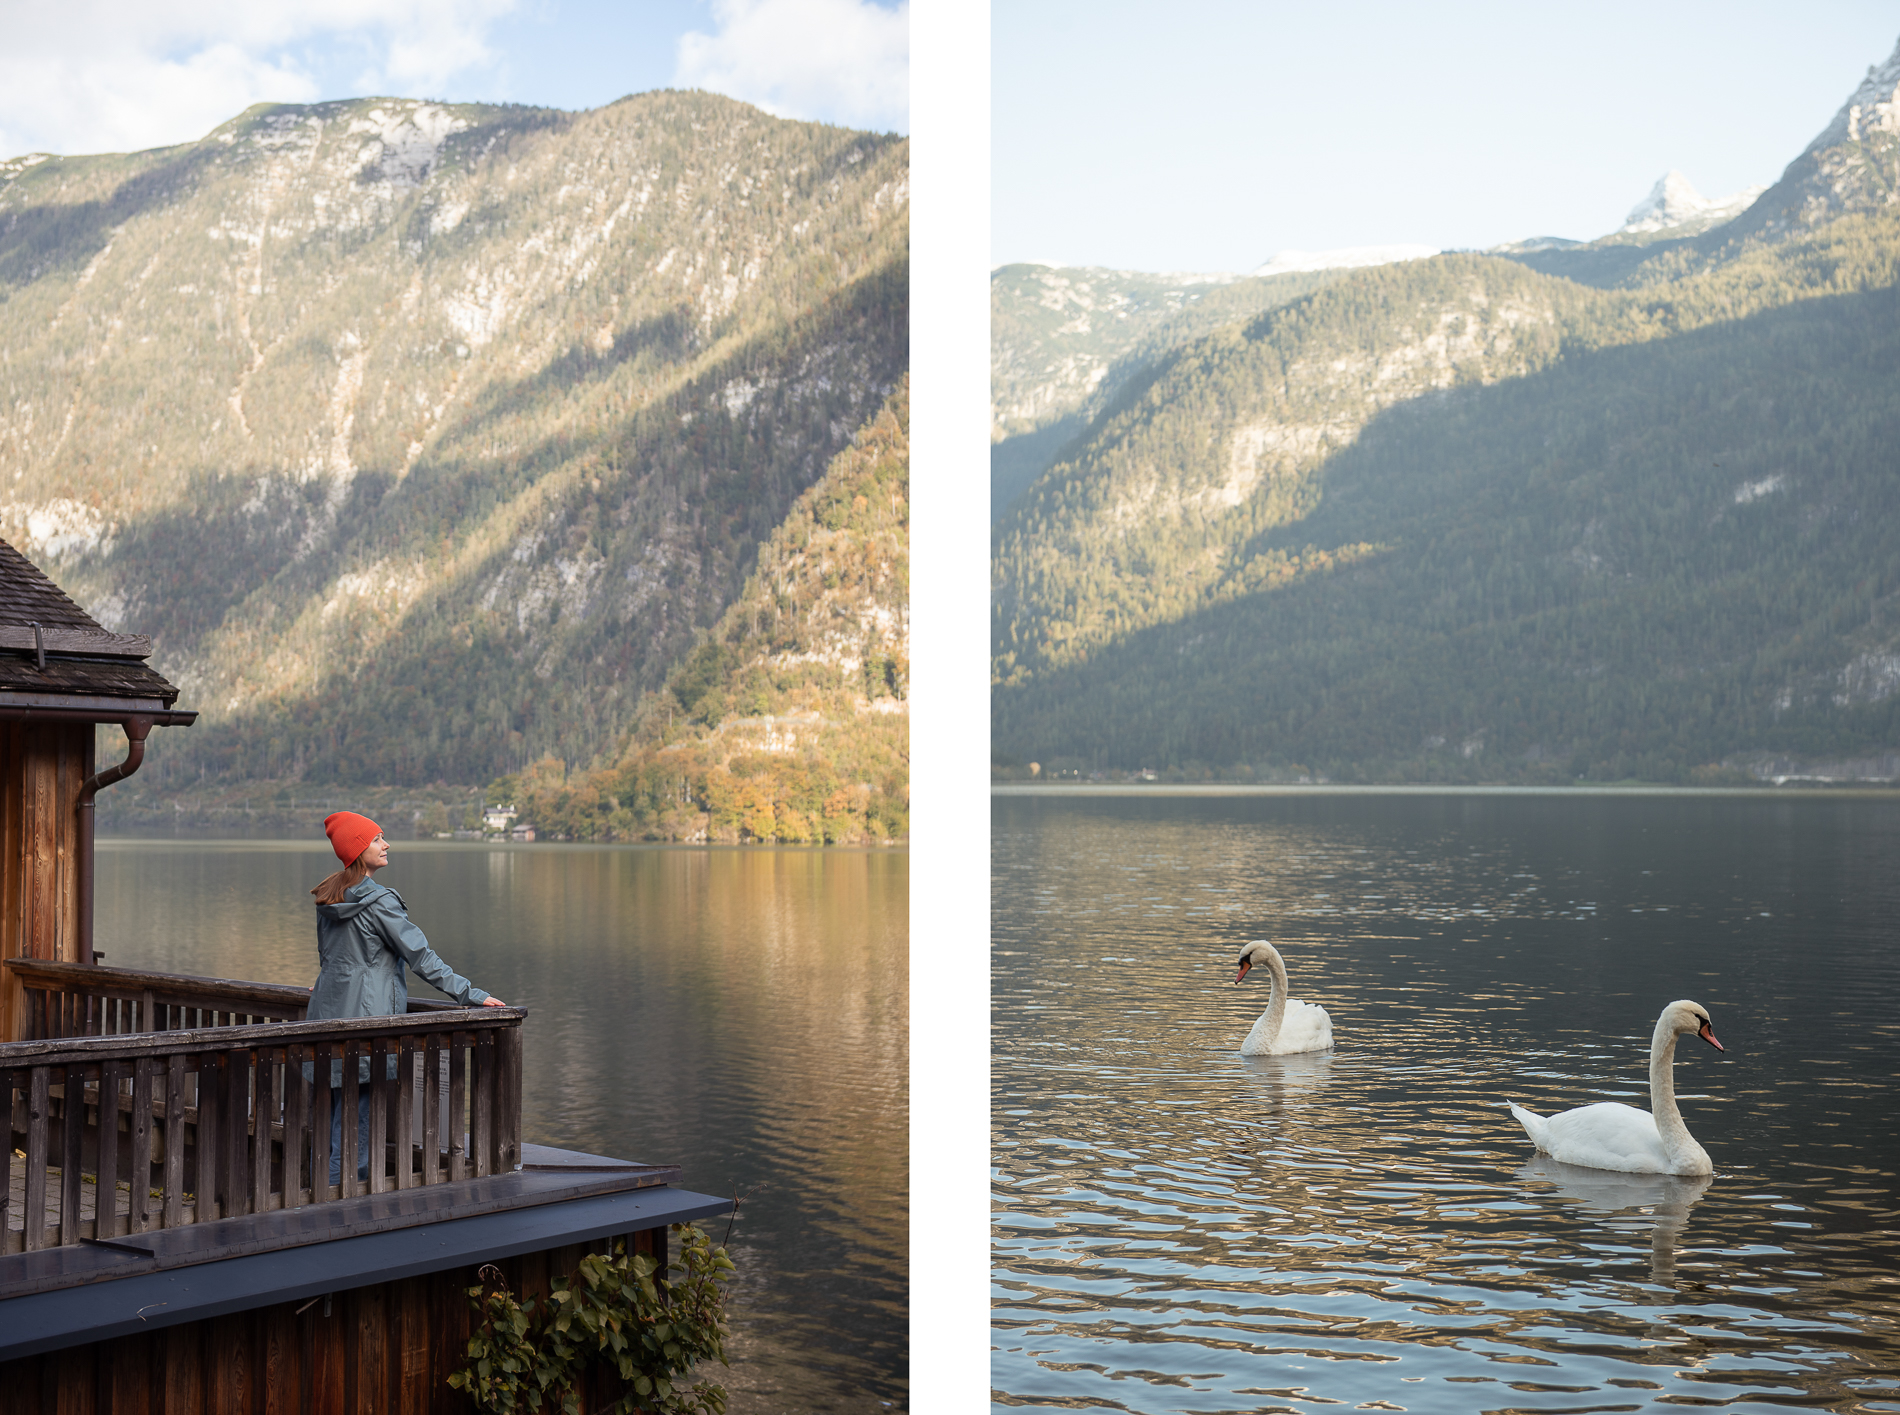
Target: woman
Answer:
pixel 365 947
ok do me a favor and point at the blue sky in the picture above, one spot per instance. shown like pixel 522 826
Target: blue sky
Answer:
pixel 1207 135
pixel 122 75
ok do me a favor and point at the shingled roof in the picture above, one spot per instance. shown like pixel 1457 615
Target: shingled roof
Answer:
pixel 51 648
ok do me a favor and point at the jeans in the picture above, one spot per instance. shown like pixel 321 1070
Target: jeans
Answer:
pixel 336 1134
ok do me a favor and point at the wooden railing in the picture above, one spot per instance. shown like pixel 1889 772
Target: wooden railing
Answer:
pixel 125 1132
pixel 85 1000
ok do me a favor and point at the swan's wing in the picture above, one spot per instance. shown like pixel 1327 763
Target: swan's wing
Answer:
pixel 1607 1135
pixel 1306 1027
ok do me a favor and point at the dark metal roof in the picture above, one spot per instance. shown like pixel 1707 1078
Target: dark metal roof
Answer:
pixel 50 648
pixel 49 1321
pixel 538 1181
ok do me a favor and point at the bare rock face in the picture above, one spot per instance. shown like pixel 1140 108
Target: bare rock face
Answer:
pixel 468 414
pixel 1873 107
pixel 1852 165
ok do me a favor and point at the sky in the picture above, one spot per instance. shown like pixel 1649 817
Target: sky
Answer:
pixel 1207 135
pixel 84 76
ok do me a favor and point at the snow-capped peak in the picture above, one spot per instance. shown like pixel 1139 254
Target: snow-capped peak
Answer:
pixel 1285 262
pixel 1671 201
pixel 1674 202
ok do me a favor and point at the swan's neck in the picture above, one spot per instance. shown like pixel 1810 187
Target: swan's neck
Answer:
pixel 1678 1143
pixel 1269 1023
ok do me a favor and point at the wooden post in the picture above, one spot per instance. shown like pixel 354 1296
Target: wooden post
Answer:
pixel 106 1193
pixel 378 1117
pixel 263 1115
pixel 42 764
pixel 432 1112
pixel 296 1125
pixel 406 1114
pixel 8 1080
pixel 508 1100
pixel 174 1212
pixel 481 1103
pixel 139 1213
pixel 350 1137
pixel 38 1153
pixel 320 1127
pixel 211 1124
pixel 458 1106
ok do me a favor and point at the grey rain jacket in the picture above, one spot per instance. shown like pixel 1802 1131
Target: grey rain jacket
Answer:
pixel 365 947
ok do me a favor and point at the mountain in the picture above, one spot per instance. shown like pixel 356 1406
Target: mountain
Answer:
pixel 424 439
pixel 1853 164
pixel 1065 340
pixel 1464 519
pixel 790 721
pixel 1674 208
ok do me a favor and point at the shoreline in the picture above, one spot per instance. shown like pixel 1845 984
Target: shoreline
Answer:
pixel 1764 790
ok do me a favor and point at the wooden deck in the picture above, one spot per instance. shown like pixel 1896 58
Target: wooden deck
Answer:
pixel 226 1109
pixel 88 1205
pixel 551 1177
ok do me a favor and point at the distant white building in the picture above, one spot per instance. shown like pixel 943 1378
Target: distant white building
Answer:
pixel 498 818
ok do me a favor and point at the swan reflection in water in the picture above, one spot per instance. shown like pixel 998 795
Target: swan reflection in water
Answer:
pixel 1630 1204
pixel 1296 1079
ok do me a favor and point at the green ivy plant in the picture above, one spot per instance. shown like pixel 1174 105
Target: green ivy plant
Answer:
pixel 616 1309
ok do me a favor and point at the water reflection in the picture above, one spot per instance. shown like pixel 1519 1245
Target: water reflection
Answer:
pixel 1286 1080
pixel 1179 1228
pixel 1644 1206
pixel 741 1012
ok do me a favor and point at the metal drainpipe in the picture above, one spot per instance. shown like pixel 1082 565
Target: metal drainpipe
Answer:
pixel 136 730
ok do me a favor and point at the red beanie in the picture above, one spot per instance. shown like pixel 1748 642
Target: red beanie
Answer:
pixel 350 834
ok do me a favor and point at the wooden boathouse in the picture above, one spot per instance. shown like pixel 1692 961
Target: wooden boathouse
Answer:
pixel 168 1241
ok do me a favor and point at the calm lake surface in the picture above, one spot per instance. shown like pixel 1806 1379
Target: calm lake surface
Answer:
pixel 1180 1228
pixel 743 1013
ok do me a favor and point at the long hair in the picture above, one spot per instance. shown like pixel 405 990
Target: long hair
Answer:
pixel 332 888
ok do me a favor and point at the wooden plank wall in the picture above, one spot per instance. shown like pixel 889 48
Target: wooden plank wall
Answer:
pixel 386 1349
pixel 42 765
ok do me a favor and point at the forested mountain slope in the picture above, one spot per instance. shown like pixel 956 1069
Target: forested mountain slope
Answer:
pixel 1460 519
pixel 790 720
pixel 1065 340
pixel 424 438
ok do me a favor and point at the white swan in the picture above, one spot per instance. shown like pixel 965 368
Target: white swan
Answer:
pixel 1285 1027
pixel 1610 1135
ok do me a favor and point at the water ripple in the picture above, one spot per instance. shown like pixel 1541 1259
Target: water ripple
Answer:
pixel 1179 1228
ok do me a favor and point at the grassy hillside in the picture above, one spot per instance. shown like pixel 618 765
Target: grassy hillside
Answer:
pixel 424 439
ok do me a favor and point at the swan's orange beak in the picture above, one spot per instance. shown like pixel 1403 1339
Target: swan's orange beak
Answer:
pixel 1245 964
pixel 1708 1035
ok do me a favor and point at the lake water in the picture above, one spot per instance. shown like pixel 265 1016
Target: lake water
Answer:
pixel 1179 1228
pixel 743 1013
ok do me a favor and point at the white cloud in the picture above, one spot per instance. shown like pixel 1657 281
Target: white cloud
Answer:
pixel 837 61
pixel 120 75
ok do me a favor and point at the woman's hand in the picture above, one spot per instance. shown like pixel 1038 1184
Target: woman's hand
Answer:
pixel 493 1002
